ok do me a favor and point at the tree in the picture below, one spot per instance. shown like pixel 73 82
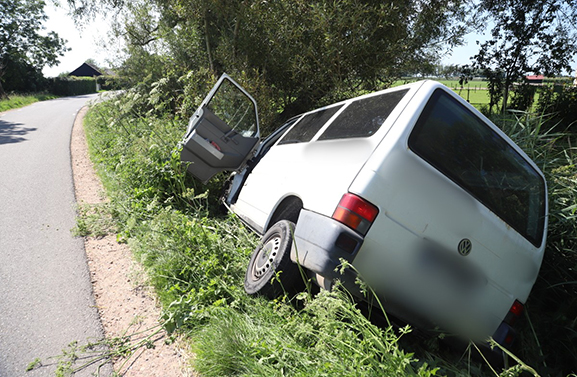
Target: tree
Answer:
pixel 19 76
pixel 528 36
pixel 309 52
pixel 21 38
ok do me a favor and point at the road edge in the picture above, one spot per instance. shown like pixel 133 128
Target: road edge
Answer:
pixel 125 304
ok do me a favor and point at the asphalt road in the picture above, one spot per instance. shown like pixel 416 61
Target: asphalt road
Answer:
pixel 46 299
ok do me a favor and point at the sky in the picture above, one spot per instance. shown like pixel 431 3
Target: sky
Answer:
pixel 84 44
pixel 462 55
pixel 87 43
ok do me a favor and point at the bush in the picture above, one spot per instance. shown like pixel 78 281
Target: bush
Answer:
pixel 21 77
pixel 561 103
pixel 111 82
pixel 523 96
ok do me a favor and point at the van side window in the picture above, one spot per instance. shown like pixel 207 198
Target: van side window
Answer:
pixel 308 126
pixel 470 153
pixel 364 117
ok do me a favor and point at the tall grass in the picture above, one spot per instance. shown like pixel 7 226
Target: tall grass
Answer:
pixel 196 260
pixel 549 333
pixel 328 337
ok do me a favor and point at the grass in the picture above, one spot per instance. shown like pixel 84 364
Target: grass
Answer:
pixel 16 101
pixel 472 84
pixel 196 258
pixel 276 339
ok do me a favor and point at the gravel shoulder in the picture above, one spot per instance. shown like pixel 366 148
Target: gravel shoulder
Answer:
pixel 125 303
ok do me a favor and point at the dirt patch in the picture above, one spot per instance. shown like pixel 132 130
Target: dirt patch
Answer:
pixel 125 303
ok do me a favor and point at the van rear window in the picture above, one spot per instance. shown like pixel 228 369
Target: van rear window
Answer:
pixel 469 152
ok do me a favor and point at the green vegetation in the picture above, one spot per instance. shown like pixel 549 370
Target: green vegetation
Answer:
pixel 16 101
pixel 25 48
pixel 527 36
pixel 555 100
pixel 76 358
pixel 475 91
pixel 295 56
pixel 453 84
pixel 196 258
pixel 305 53
pixel 72 86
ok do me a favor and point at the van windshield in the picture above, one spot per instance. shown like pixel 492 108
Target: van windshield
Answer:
pixel 469 152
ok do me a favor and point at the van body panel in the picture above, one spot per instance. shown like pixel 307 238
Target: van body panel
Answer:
pixel 421 205
pixel 306 167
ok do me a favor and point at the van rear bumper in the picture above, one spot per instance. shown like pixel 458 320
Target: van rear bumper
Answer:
pixel 320 244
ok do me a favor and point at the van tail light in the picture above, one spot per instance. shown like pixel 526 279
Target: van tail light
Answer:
pixel 514 313
pixel 505 334
pixel 356 213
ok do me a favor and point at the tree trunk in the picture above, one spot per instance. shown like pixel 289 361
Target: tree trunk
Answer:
pixel 3 94
pixel 235 38
pixel 208 51
pixel 505 95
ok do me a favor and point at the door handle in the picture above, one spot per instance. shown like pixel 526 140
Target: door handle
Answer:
pixel 229 136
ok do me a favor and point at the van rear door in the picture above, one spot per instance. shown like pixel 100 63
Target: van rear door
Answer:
pixel 222 133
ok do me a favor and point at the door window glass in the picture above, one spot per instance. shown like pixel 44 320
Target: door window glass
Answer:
pixel 235 108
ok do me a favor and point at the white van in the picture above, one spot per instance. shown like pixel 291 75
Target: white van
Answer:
pixel 436 208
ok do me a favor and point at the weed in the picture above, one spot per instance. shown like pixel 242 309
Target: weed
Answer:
pixel 328 337
pixel 36 363
pixel 549 335
pixel 94 220
pixel 75 357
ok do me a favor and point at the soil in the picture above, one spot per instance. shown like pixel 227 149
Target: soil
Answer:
pixel 125 303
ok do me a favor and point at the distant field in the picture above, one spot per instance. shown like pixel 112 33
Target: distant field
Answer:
pixel 475 97
pixel 473 84
pixel 475 91
pixel 453 84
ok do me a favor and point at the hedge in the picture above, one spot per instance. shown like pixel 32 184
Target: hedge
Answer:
pixel 72 86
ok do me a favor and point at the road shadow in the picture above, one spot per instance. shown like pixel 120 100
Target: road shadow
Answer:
pixel 11 132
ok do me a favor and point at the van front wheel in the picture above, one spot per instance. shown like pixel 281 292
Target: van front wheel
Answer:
pixel 270 257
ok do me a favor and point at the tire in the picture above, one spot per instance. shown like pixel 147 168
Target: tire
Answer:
pixel 272 255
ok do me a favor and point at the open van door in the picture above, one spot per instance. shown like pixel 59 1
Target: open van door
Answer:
pixel 222 133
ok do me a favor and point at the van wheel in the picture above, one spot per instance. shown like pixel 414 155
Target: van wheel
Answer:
pixel 272 255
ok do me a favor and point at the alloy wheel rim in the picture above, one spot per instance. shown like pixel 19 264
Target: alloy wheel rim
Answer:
pixel 266 257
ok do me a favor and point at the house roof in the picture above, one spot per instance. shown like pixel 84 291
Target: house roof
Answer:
pixel 535 77
pixel 86 70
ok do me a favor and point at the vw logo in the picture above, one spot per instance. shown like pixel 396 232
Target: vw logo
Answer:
pixel 465 247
